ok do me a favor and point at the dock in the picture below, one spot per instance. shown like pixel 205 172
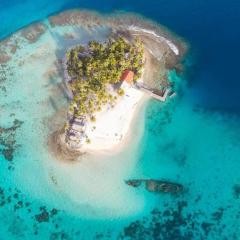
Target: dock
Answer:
pixel 154 93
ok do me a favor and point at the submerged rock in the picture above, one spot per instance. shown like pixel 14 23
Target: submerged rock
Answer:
pixel 157 186
pixel 4 58
pixel 33 32
pixel 7 140
pixel 43 216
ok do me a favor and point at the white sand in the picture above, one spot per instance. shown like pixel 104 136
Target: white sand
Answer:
pixel 111 130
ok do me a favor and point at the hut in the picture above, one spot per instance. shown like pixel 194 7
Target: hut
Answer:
pixel 127 76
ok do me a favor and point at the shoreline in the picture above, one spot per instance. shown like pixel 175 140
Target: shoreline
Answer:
pixel 85 17
pixel 104 144
pixel 108 135
pixel 63 153
pixel 119 146
pixel 112 131
pixel 157 41
pixel 96 179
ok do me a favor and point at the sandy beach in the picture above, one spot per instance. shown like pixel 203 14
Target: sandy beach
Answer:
pixel 112 129
pixel 94 185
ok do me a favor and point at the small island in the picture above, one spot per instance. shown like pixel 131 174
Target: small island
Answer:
pixel 97 76
pixel 93 77
pixel 106 82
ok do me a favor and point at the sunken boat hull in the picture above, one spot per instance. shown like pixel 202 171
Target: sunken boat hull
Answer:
pixel 156 186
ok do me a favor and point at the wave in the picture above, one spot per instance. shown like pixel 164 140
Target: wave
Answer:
pixel 171 45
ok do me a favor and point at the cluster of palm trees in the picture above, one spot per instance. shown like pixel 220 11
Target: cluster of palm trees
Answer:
pixel 94 67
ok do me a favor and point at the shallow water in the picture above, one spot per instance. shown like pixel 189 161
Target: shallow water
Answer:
pixel 193 139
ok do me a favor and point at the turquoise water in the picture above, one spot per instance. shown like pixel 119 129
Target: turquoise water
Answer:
pixel 192 139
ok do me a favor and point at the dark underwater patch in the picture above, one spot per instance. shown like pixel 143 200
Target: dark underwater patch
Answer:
pixel 17 202
pixel 176 224
pixel 33 32
pixel 45 215
pixel 7 140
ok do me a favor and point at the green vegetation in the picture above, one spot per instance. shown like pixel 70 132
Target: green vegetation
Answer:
pixel 94 68
pixel 93 119
pixel 120 92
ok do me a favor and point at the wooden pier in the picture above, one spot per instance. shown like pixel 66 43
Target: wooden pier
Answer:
pixel 157 94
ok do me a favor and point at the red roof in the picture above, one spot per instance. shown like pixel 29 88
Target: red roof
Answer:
pixel 127 76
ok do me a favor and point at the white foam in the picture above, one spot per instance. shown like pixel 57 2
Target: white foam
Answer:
pixel 171 45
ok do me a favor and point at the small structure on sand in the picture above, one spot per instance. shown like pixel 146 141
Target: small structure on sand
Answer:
pixel 127 76
pixel 154 93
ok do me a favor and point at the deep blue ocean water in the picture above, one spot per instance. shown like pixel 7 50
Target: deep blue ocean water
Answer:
pixel 202 129
pixel 211 27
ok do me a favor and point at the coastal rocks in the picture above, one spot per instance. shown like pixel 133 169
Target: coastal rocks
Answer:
pixel 33 32
pixel 4 58
pixel 157 186
pixel 156 48
pixel 44 215
pixel 6 72
pixel 74 17
pixel 134 23
pixel 61 150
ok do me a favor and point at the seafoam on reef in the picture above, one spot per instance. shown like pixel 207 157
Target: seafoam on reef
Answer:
pixel 162 39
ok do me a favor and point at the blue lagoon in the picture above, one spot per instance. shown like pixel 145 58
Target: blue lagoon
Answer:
pixel 187 140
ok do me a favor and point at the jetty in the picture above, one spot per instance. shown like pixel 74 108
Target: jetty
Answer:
pixel 160 95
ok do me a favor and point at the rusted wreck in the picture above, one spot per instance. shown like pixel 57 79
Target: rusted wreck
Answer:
pixel 156 186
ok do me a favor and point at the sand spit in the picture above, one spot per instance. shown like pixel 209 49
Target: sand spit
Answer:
pixel 5 55
pixel 164 45
pixel 111 133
